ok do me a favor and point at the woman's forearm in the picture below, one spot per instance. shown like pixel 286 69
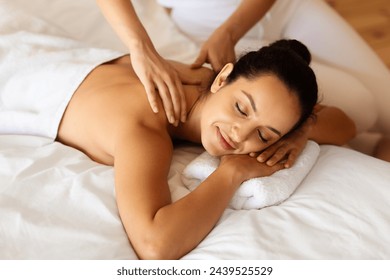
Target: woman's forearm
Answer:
pixel 176 228
pixel 157 227
pixel 245 17
pixel 179 227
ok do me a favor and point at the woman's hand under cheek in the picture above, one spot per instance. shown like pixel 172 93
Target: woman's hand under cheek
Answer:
pixel 246 167
pixel 286 150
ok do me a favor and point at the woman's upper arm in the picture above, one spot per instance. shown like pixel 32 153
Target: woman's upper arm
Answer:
pixel 141 161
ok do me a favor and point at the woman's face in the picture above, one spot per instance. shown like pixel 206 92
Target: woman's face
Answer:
pixel 246 115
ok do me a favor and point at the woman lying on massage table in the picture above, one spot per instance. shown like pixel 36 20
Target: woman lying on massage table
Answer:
pixel 262 103
pixel 222 28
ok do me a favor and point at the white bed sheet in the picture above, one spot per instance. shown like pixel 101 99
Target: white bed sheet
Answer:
pixel 58 204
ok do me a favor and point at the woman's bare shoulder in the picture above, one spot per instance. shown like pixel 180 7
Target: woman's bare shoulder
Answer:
pixel 109 101
pixel 202 74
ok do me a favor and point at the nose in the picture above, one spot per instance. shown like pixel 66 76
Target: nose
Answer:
pixel 240 132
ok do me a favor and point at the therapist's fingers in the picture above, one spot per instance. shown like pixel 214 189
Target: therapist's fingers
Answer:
pixel 173 97
pixel 151 94
pixel 176 92
pixel 217 63
pixel 183 104
pixel 200 60
pixel 165 97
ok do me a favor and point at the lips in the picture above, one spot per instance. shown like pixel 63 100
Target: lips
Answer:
pixel 223 142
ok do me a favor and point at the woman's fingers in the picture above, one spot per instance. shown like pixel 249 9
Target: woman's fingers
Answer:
pixel 291 159
pixel 285 154
pixel 276 153
pixel 284 151
pixel 278 156
pixel 266 154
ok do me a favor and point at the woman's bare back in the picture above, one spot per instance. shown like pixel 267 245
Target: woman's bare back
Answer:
pixel 110 94
pixel 109 97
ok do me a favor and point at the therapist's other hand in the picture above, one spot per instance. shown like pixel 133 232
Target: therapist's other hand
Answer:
pixel 218 50
pixel 160 79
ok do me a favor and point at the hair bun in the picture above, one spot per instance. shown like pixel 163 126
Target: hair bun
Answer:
pixel 295 46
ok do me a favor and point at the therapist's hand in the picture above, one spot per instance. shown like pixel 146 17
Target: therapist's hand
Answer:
pixel 218 50
pixel 160 79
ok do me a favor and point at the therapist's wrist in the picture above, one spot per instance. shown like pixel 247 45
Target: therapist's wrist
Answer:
pixel 232 31
pixel 139 44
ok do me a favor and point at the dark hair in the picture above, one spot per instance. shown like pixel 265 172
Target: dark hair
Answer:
pixel 289 61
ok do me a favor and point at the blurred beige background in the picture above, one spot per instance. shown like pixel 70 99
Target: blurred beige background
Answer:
pixel 371 19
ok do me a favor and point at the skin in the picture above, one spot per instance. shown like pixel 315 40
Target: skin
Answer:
pixel 382 150
pixel 218 49
pixel 157 75
pixel 256 117
pixel 160 79
pixel 109 119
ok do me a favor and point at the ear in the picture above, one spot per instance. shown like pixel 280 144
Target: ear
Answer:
pixel 220 80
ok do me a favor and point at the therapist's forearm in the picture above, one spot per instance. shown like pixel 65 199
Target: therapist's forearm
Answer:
pixel 248 13
pixel 122 17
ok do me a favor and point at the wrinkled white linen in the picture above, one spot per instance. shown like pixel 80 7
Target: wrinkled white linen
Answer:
pixel 58 204
pixel 39 72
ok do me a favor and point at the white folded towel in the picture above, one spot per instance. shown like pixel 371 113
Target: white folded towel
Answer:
pixel 259 192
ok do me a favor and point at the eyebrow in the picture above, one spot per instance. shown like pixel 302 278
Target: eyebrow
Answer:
pixel 252 102
pixel 274 130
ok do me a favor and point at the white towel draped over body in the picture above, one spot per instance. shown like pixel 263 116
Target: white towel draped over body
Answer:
pixel 259 192
pixel 39 72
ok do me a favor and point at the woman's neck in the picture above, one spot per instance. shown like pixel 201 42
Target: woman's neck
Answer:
pixel 190 130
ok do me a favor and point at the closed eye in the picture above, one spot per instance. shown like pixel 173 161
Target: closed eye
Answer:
pixel 240 110
pixel 262 137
